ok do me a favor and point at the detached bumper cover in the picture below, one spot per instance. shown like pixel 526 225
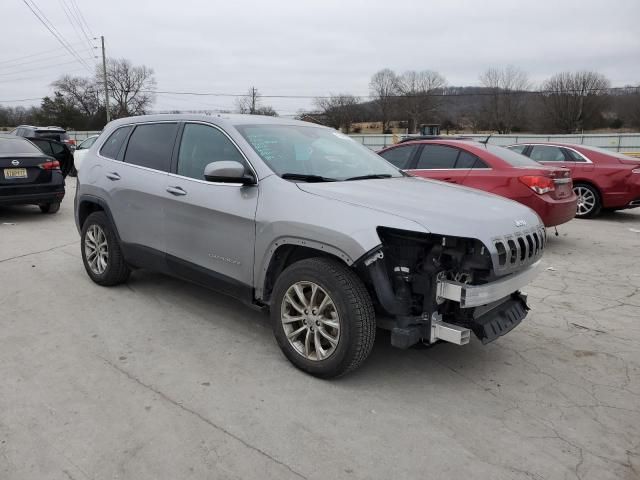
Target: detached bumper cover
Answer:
pixel 470 296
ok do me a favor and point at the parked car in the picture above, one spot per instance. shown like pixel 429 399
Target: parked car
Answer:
pixel 57 150
pixel 304 221
pixel 28 176
pixel 81 150
pixel 602 179
pixel 546 190
pixel 54 133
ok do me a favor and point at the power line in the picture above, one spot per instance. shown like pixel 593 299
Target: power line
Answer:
pixel 81 16
pixel 39 54
pixel 419 95
pixel 49 26
pixel 39 60
pixel 36 77
pixel 74 23
pixel 41 67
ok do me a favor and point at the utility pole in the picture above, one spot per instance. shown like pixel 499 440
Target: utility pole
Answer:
pixel 104 75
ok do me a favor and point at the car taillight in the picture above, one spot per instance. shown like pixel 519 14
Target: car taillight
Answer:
pixel 538 183
pixel 71 141
pixel 53 165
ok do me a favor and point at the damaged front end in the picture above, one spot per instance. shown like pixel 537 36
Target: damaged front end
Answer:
pixel 433 287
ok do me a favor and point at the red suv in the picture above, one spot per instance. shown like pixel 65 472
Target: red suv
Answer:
pixel 545 189
pixel 601 178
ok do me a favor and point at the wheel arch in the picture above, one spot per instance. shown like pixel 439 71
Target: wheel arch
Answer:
pixel 286 251
pixel 88 204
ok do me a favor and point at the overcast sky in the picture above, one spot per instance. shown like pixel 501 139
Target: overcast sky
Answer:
pixel 317 47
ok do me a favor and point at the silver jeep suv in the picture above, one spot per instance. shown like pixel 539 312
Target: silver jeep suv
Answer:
pixel 300 219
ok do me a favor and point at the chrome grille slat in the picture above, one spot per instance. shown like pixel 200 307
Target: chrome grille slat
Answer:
pixel 518 249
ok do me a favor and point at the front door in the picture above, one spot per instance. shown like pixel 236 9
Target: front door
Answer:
pixel 209 227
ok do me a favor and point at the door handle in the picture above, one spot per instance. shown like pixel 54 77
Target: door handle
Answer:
pixel 176 191
pixel 113 176
pixel 450 180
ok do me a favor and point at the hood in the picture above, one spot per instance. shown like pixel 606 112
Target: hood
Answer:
pixel 441 208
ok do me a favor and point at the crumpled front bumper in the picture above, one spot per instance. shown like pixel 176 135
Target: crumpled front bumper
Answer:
pixel 469 296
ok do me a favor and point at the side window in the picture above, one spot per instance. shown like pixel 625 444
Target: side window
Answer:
pixel 56 148
pixel 399 156
pixel 517 148
pixel 201 145
pixel 546 153
pixel 112 146
pixel 43 145
pixel 151 146
pixel 469 160
pixel 437 157
pixel 576 157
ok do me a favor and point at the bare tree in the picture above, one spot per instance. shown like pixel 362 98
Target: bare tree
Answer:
pixel 419 90
pixel 251 104
pixel 340 111
pixel 503 106
pixel 130 87
pixel 573 100
pixel 383 89
pixel 80 92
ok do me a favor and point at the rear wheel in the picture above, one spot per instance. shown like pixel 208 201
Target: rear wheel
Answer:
pixel 323 317
pixel 49 207
pixel 101 254
pixel 589 203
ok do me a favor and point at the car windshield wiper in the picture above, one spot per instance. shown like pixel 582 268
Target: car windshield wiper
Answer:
pixel 307 178
pixel 367 177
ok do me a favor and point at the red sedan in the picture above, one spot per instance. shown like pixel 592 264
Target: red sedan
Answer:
pixel 602 179
pixel 545 189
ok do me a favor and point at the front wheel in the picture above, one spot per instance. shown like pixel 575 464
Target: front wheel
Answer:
pixel 323 317
pixel 589 203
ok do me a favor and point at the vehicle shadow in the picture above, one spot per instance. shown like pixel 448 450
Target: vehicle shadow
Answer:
pixel 21 213
pixel 436 364
pixel 622 216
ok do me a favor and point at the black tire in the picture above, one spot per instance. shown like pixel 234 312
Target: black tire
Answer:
pixel 597 206
pixel 73 172
pixel 352 304
pixel 49 207
pixel 116 271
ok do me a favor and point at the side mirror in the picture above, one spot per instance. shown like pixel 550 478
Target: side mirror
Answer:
pixel 228 172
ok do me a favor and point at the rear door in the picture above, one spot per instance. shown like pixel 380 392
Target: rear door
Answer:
pixel 135 182
pixel 209 227
pixel 439 162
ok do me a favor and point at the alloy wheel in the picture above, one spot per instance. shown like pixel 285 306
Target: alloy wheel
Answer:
pixel 586 200
pixel 310 320
pixel 96 249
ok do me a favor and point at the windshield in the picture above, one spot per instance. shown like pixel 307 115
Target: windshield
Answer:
pixel 313 151
pixel 512 158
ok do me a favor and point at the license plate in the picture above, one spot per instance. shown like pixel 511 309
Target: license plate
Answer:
pixel 15 173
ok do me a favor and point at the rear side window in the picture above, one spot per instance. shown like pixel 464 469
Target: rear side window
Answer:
pixel 512 158
pixel 576 157
pixel 202 145
pixel 56 148
pixel 469 160
pixel 437 157
pixel 546 153
pixel 112 146
pixel 43 145
pixel 399 156
pixel 517 148
pixel 151 146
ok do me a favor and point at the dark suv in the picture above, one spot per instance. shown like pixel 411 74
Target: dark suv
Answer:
pixel 58 134
pixel 28 176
